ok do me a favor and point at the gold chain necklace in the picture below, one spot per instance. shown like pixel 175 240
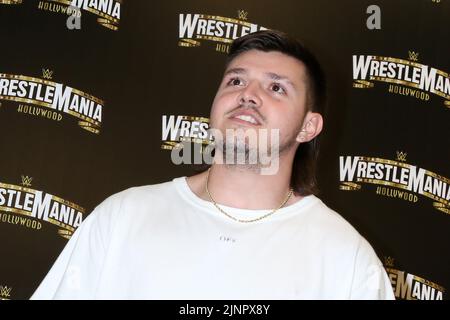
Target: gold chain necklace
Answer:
pixel 239 220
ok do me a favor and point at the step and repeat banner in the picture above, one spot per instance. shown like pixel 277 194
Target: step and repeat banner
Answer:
pixel 94 95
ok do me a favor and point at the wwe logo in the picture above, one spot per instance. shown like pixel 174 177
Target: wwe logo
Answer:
pixel 413 56
pixel 47 73
pixel 401 156
pixel 26 181
pixel 389 262
pixel 5 292
pixel 242 14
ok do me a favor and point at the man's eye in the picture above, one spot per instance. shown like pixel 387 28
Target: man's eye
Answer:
pixel 235 82
pixel 278 88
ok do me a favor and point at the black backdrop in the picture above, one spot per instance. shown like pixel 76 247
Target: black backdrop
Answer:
pixel 142 74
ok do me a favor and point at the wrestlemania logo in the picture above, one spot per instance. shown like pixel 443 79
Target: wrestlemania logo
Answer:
pixel 107 11
pixel 30 207
pixel 405 77
pixel 176 129
pixel 221 30
pixel 395 178
pixel 48 99
pixel 407 286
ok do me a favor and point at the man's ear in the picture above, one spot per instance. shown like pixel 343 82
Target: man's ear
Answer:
pixel 312 126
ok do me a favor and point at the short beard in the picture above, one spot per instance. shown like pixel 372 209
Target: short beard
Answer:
pixel 246 157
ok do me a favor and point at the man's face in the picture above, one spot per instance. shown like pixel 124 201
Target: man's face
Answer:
pixel 262 90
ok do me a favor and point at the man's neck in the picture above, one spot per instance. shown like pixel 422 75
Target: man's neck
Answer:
pixel 243 188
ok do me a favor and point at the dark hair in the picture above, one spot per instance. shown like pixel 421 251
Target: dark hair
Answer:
pixel 303 178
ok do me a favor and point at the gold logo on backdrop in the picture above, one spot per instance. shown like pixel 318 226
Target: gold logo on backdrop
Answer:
pixel 407 286
pixel 242 14
pixel 401 156
pixel 26 181
pixel 5 292
pixel 43 97
pixel 413 56
pixel 179 129
pixel 406 77
pixel 108 12
pixel 23 206
pixel 221 30
pixel 349 186
pixel 47 74
pixel 388 261
pixel 395 179
pixel 10 1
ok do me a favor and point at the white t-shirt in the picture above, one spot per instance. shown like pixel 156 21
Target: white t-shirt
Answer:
pixel 164 242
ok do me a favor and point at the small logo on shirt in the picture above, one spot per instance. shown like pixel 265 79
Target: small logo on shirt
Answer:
pixel 227 239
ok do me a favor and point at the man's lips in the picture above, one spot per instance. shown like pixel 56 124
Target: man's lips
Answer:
pixel 246 117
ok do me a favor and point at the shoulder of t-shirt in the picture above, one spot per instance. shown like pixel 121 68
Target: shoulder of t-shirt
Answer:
pixel 118 209
pixel 144 192
pixel 345 246
pixel 333 227
pixel 133 198
pixel 335 233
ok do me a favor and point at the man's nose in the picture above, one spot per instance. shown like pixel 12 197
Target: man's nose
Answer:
pixel 251 95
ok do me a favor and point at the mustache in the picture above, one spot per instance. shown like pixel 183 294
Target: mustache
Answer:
pixel 246 106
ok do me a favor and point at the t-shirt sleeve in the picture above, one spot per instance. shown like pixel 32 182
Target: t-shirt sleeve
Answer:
pixel 77 270
pixel 370 280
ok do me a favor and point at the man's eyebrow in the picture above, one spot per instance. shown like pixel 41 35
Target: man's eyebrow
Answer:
pixel 235 70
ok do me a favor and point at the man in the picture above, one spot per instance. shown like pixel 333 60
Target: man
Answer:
pixel 231 232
